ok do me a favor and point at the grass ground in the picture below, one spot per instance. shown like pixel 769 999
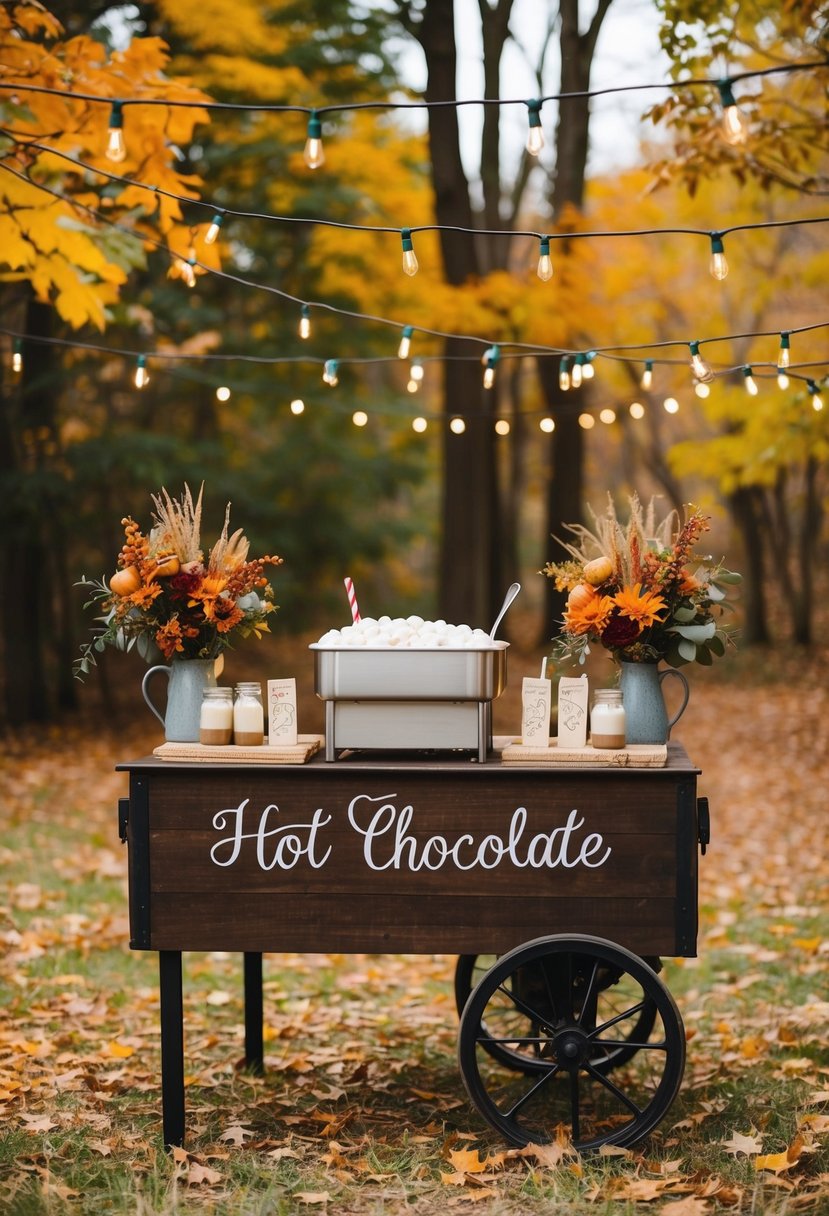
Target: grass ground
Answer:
pixel 361 1109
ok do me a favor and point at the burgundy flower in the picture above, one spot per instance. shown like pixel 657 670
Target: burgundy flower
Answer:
pixel 183 584
pixel 620 631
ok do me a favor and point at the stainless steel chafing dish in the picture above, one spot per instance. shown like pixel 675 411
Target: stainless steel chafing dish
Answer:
pixel 390 699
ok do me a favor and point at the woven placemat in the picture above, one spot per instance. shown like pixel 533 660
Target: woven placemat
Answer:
pixel 635 755
pixel 306 746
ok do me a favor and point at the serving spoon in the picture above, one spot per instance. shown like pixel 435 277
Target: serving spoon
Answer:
pixel 508 598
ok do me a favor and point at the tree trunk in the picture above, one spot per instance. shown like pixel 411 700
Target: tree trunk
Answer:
pixel 746 513
pixel 808 534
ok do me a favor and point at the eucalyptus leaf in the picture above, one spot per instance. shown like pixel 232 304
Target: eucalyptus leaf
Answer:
pixel 696 633
pixel 688 650
pixel 729 577
pixel 716 645
pixel 684 615
pixel 715 593
pixel 704 656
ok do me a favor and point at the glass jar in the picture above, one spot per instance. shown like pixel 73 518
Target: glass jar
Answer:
pixel 607 718
pixel 216 717
pixel 248 715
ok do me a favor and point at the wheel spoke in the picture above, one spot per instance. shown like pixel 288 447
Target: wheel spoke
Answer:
pixel 631 1044
pixel 559 983
pixel 619 1017
pixel 524 1099
pixel 588 1001
pixel 614 1089
pixel 523 1007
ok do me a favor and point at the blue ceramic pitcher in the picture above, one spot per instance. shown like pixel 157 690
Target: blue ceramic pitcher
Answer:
pixel 646 718
pixel 187 680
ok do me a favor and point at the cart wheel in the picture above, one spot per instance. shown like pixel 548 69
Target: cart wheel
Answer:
pixel 522 1055
pixel 552 988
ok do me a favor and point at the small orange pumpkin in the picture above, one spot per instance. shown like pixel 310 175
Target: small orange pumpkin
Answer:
pixel 124 582
pixel 580 595
pixel 166 566
pixel 598 571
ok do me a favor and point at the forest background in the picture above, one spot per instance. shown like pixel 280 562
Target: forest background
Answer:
pixel 95 259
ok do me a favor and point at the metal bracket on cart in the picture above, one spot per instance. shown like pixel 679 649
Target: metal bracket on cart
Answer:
pixel 704 824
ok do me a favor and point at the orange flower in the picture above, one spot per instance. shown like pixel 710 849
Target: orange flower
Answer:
pixel 641 606
pixel 168 639
pixel 688 584
pixel 590 617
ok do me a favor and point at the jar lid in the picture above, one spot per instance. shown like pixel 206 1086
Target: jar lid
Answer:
pixel 217 694
pixel 249 686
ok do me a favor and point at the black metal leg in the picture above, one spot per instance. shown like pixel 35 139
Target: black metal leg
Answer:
pixel 172 1047
pixel 254 1045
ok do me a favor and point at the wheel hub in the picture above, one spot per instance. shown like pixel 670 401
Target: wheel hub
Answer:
pixel 571 1047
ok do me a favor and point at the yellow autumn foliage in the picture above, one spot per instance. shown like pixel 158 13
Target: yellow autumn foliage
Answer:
pixel 52 226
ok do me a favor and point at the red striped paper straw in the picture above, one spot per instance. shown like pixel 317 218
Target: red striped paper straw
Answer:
pixel 352 600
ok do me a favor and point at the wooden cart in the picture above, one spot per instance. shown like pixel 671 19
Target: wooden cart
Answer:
pixel 558 887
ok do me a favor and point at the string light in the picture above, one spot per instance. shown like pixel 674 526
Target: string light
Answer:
pixel 223 393
pixel 637 410
pixel 502 426
pixel 576 373
pixel 607 416
pixel 817 400
pixel 535 134
pixel 784 354
pixel 586 422
pixel 405 342
pixel 314 154
pixel 359 417
pixel 547 425
pixel 782 380
pixel 457 426
pixel 212 233
pixel 718 264
pixel 415 376
pixel 305 322
pixel 588 371
pixel 564 373
pixel 750 382
pixel 419 425
pixel 671 405
pixel 409 255
pixel 329 373
pixel 17 357
pixel 647 375
pixel 297 406
pixel 116 149
pixel 141 377
pixel 733 127
pixel 490 358
pixel 700 368
pixel 545 265
pixel 702 389
pixel 187 270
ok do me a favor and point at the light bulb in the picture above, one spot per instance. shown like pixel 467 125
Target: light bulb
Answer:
pixel 545 265
pixel 702 389
pixel 329 373
pixel 491 357
pixel 564 373
pixel 305 322
pixel 700 368
pixel 223 393
pixel 116 149
pixel 141 378
pixel 297 406
pixel 733 127
pixel 413 385
pixel 586 422
pixel 419 425
pixel 718 264
pixel 213 231
pixel 457 426
pixel 637 410
pixel 750 382
pixel 535 135
pixel 817 400
pixel 588 371
pixel 416 370
pixel 502 426
pixel 187 271
pixel 647 375
pixel 314 154
pixel 607 416
pixel 409 255
pixel 784 354
pixel 671 405
pixel 17 357
pixel 359 417
pixel 782 380
pixel 405 342
pixel 576 374
pixel 547 425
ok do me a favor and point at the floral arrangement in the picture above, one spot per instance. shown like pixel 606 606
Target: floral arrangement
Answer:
pixel 638 589
pixel 166 600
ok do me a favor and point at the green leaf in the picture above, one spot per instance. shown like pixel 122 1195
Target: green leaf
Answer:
pixel 716 645
pixel 688 650
pixel 695 633
pixel 684 615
